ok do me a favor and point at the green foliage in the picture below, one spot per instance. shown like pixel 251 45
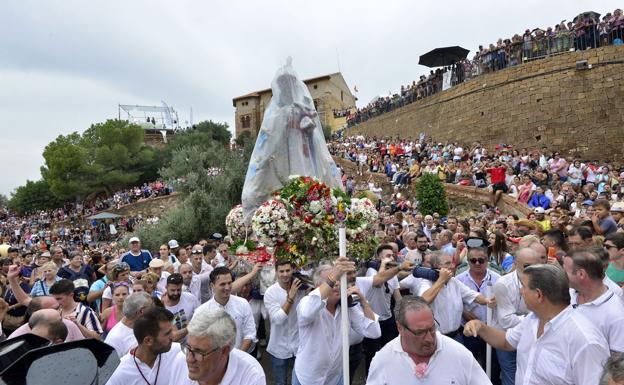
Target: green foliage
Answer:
pixel 106 157
pixel 33 196
pixel 431 194
pixel 4 201
pixel 327 133
pixel 206 199
pixel 204 134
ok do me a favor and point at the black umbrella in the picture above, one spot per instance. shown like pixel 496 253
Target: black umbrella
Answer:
pixel 444 56
pixel 591 14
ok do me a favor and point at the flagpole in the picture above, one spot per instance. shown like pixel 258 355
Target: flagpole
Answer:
pixel 342 242
pixel 488 347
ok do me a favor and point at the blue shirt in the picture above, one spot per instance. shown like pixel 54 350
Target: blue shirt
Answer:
pixel 137 262
pixel 97 286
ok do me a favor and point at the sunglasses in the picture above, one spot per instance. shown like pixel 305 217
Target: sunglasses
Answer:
pixel 197 252
pixel 474 261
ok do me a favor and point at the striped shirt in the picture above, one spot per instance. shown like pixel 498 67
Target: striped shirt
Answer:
pixel 87 318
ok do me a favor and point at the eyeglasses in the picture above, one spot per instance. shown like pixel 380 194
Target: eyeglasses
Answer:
pixel 480 261
pixel 122 266
pixel 608 247
pixel 197 355
pixel 197 252
pixel 423 332
pixel 117 284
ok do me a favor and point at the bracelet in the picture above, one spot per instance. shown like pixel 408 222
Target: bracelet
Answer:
pixel 290 301
pixel 331 283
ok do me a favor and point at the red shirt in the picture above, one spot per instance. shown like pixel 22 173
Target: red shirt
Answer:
pixel 497 174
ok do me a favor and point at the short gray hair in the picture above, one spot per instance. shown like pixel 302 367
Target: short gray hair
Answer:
pixel 407 303
pixel 134 302
pixel 551 280
pixel 318 280
pixel 435 257
pixel 613 369
pixel 216 324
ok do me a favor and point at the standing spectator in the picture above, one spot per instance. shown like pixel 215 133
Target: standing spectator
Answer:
pixel 137 259
pixel 181 304
pixel 121 336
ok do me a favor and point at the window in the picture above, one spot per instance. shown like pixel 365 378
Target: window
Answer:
pixel 341 96
pixel 246 121
pixel 315 86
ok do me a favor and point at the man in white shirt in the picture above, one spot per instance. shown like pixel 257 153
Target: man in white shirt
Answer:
pixel 555 343
pixel 152 360
pixel 480 279
pixel 156 266
pixel 180 303
pixel 281 300
pixel 318 360
pixel 592 298
pixel 379 287
pixel 421 354
pixel 192 283
pixel 237 307
pixel 121 336
pixel 448 295
pixel 510 308
pixel 209 356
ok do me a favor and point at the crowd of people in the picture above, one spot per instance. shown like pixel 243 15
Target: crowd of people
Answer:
pixel 586 31
pixel 199 313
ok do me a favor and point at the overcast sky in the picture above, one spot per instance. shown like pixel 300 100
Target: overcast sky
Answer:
pixel 67 64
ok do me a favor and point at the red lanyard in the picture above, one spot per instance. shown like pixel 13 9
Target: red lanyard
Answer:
pixel 141 373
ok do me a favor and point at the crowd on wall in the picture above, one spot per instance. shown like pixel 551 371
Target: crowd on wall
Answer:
pixel 586 31
pixel 215 313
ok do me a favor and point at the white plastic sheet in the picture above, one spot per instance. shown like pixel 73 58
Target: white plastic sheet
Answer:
pixel 290 142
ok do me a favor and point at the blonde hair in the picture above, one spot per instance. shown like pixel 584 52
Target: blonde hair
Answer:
pixel 48 266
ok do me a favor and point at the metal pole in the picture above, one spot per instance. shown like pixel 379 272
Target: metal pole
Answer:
pixel 342 239
pixel 488 347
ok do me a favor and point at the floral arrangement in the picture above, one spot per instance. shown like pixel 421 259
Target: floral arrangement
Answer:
pixel 271 223
pixel 235 225
pixel 301 222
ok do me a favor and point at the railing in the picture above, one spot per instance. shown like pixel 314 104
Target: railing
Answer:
pixel 520 50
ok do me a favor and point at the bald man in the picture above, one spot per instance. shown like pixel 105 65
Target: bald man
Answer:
pixel 48 324
pixel 49 303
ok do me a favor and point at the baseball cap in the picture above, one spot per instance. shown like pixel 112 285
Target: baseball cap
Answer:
pixel 134 239
pixel 156 263
pixel 175 279
pixel 216 236
pixel 618 207
pixel 539 210
pixel 588 202
pixel 46 254
pixel 173 244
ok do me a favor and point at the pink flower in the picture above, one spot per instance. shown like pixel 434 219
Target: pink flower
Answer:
pixel 421 369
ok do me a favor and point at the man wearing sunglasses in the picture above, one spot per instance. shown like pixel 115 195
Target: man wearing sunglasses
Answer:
pixel 209 356
pixel 151 362
pixel 421 354
pixel 555 344
pixel 480 279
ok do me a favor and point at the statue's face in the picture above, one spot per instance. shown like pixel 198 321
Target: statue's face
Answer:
pixel 285 84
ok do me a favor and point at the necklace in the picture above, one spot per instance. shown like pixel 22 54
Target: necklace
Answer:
pixel 141 373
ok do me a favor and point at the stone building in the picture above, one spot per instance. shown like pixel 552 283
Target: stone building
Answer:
pixel 330 92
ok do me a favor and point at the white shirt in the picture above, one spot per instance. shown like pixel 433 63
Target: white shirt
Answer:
pixel 183 311
pixel 510 307
pixel 319 358
pixel 448 305
pixel 451 363
pixel 480 311
pixel 284 337
pixel 161 285
pixel 121 338
pixel 127 373
pixel 240 310
pixel 607 313
pixel 241 369
pixel 197 281
pixel 570 351
pixel 378 297
pixel 412 283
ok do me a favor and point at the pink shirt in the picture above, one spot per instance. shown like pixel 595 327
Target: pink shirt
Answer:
pixel 73 333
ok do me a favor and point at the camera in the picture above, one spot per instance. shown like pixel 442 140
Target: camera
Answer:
pixel 426 273
pixel 353 300
pixel 377 265
pixel 306 282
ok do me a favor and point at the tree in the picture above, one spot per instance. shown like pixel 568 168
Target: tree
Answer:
pixel 33 196
pixel 431 195
pixel 210 178
pixel 106 157
pixel 203 134
pixel 3 201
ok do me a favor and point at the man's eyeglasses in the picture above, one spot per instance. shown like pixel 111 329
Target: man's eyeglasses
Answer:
pixel 122 266
pixel 423 332
pixel 197 355
pixel 197 252
pixel 474 261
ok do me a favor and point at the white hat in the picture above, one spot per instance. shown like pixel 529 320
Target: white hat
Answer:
pixel 618 207
pixel 539 210
pixel 173 244
pixel 134 239
pixel 156 263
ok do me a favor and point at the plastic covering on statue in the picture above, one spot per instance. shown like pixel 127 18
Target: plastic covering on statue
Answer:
pixel 290 142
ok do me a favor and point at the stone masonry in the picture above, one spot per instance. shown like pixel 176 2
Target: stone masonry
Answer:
pixel 546 102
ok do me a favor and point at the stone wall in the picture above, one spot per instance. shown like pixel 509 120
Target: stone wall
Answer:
pixel 546 102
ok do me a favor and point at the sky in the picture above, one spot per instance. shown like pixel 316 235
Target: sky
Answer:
pixel 67 64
